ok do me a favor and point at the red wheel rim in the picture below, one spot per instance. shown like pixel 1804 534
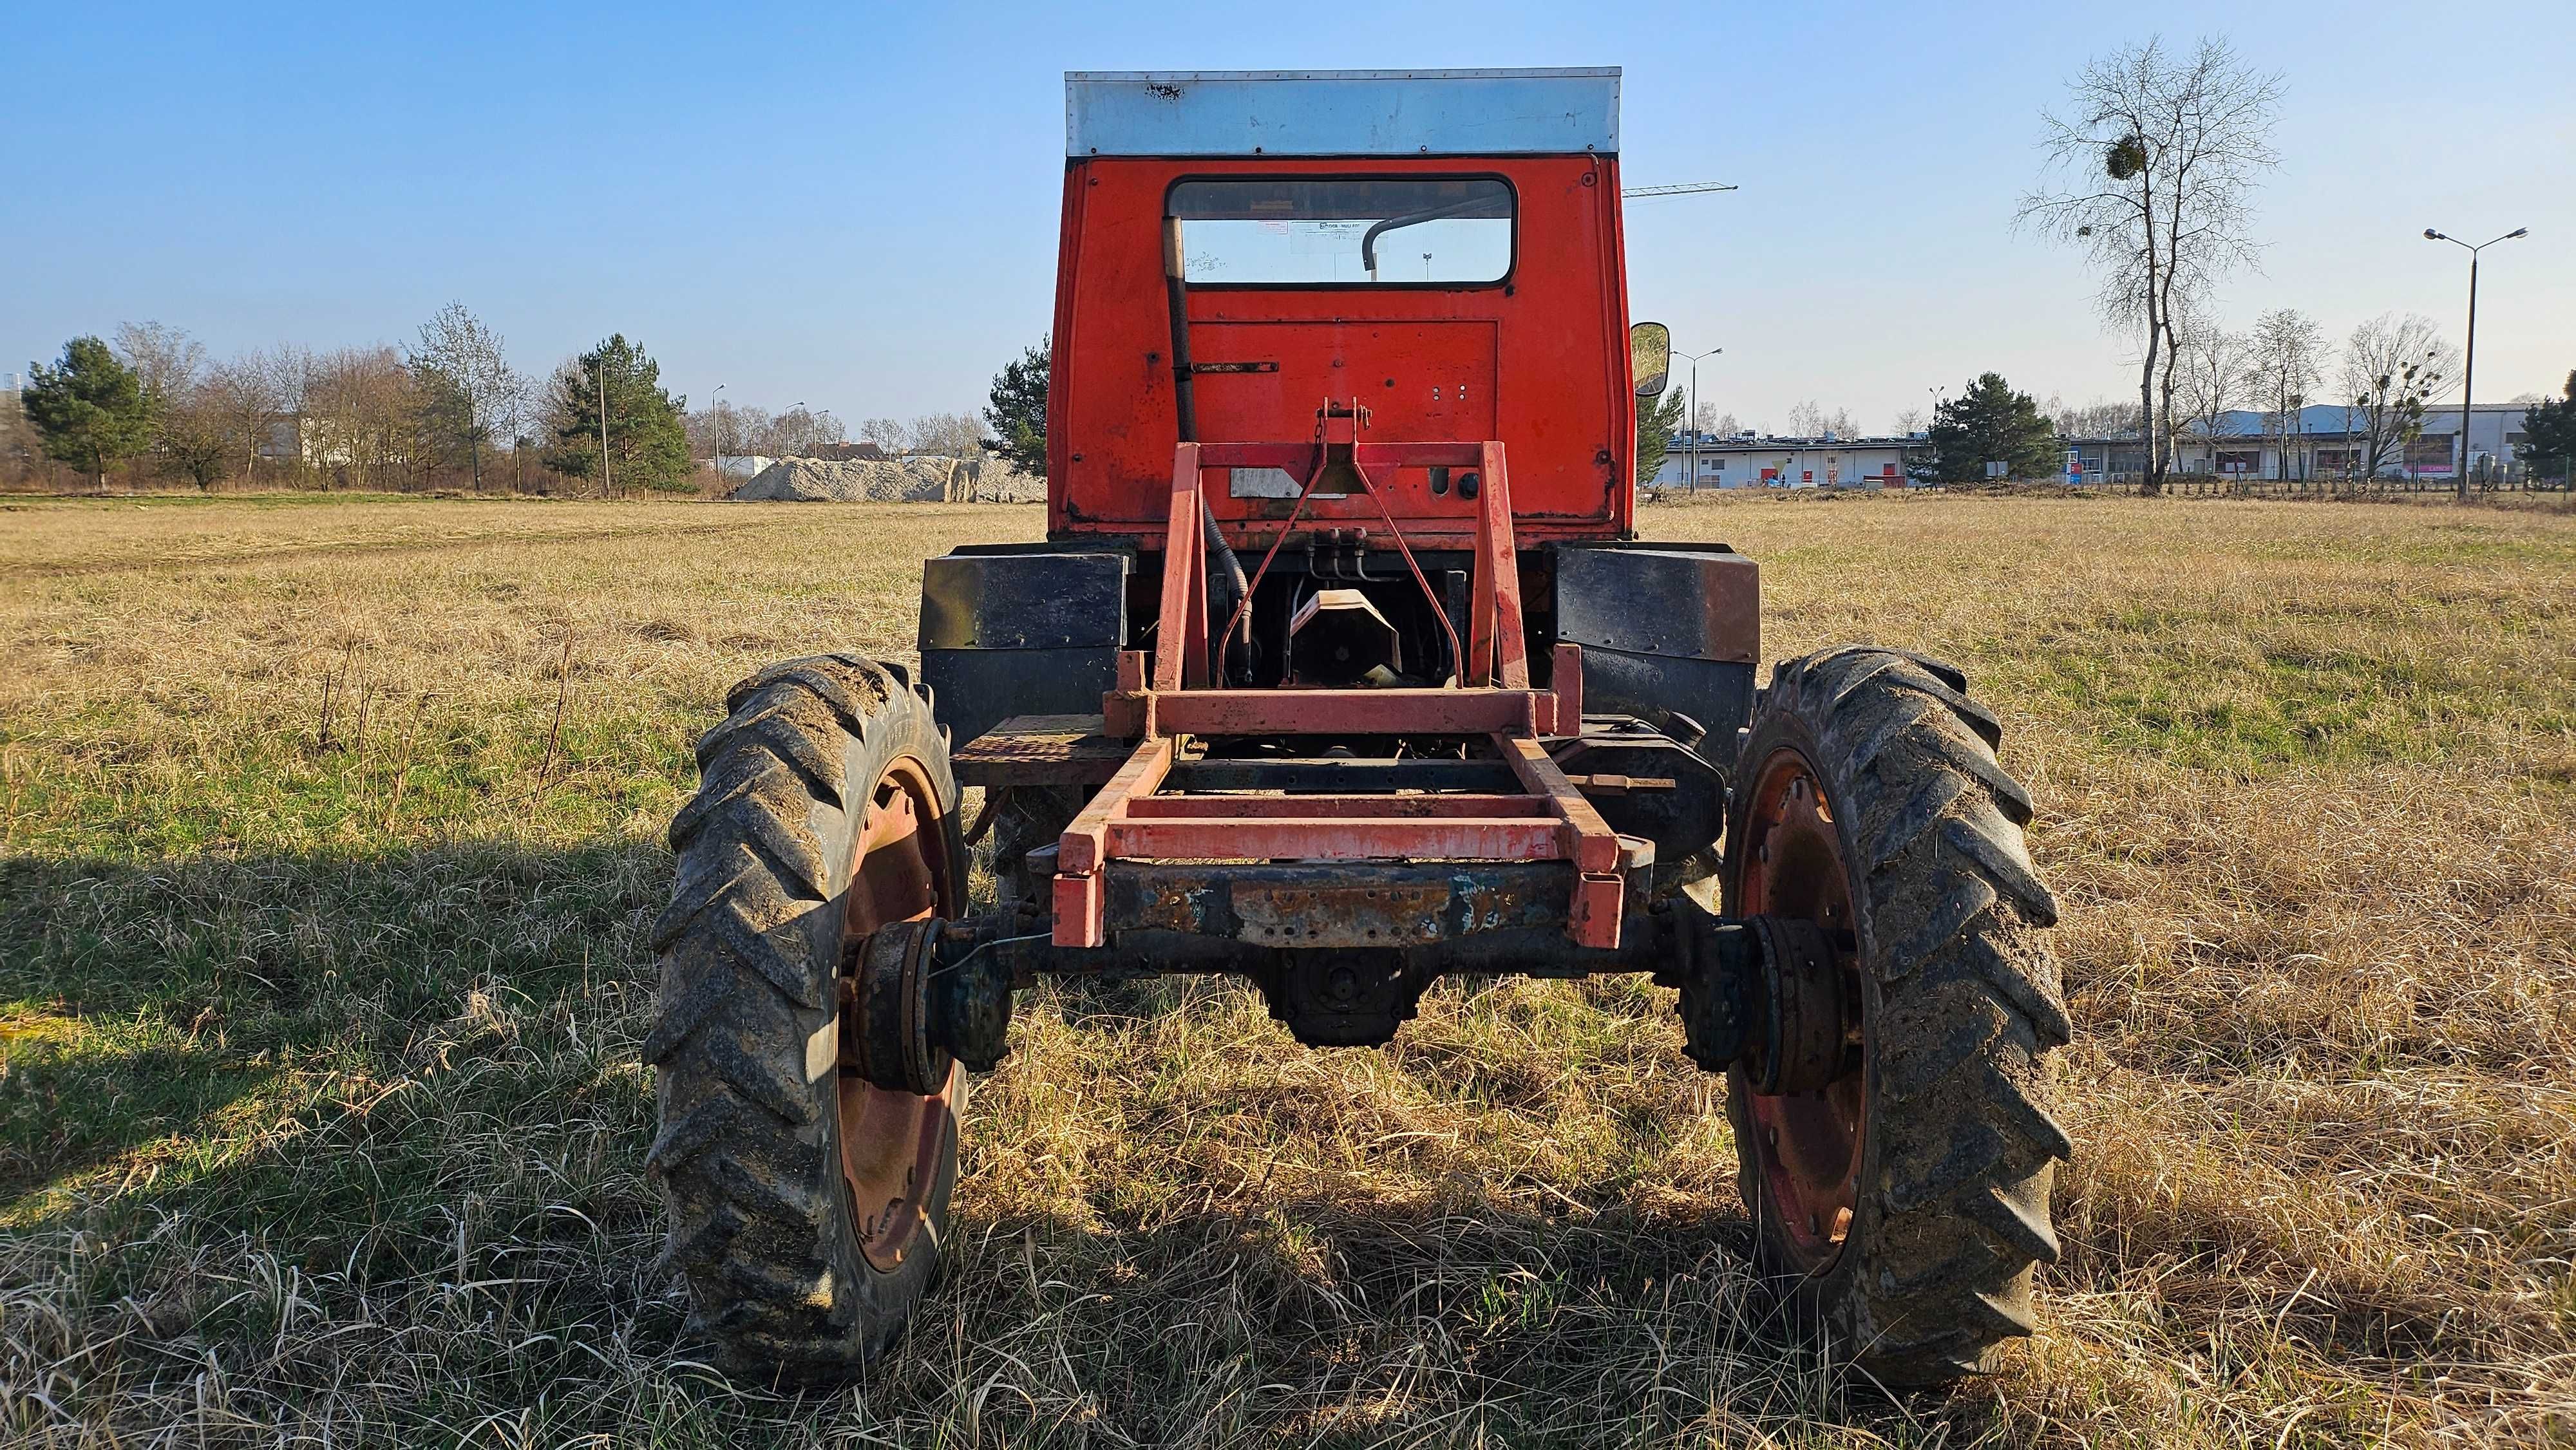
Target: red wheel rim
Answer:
pixel 1808 1144
pixel 894 1143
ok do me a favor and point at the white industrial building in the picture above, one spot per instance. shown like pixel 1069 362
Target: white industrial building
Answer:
pixel 1710 460
pixel 2325 440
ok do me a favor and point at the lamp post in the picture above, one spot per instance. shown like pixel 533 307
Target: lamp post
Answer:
pixel 1694 358
pixel 2469 364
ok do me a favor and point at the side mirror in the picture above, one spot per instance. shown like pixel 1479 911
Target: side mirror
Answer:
pixel 1650 357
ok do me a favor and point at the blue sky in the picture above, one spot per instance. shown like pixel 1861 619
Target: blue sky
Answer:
pixel 855 206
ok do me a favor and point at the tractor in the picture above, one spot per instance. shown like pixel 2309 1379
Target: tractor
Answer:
pixel 1342 669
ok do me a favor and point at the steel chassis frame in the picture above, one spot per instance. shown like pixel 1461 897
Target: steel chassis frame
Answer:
pixel 1345 845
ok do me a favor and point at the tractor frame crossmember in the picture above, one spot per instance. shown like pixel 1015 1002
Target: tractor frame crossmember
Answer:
pixel 1543 818
pixel 1342 884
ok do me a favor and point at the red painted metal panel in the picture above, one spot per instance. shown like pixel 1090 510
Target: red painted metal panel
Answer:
pixel 1437 380
pixel 1565 678
pixel 1081 911
pixel 1498 561
pixel 1383 807
pixel 1598 903
pixel 1560 395
pixel 1083 844
pixel 1079 905
pixel 1596 849
pixel 1180 659
pixel 1354 712
pixel 1380 459
pixel 1460 838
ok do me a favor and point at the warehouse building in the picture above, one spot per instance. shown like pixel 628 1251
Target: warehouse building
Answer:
pixel 1709 460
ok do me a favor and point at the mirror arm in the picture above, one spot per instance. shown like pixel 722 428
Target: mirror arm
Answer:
pixel 1368 239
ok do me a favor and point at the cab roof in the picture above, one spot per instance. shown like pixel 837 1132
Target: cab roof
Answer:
pixel 1342 113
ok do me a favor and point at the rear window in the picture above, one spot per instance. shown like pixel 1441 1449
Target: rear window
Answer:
pixel 1345 231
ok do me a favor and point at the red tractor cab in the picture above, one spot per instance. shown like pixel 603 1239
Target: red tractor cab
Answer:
pixel 1341 670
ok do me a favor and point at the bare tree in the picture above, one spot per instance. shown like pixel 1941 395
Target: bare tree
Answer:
pixel 19 453
pixel 2288 353
pixel 360 418
pixel 243 398
pixel 168 362
pixel 2207 376
pixel 1909 421
pixel 949 435
pixel 2160 155
pixel 800 430
pixel 2100 418
pixel 2391 366
pixel 290 369
pixel 469 391
pixel 196 434
pixel 887 434
pixel 726 429
pixel 1807 420
pixel 166 358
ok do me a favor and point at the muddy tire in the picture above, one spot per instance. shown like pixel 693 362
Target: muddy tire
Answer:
pixel 1025 818
pixel 1904 1207
pixel 807 1206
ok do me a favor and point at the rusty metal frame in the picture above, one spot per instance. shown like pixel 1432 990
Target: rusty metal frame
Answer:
pixel 1548 824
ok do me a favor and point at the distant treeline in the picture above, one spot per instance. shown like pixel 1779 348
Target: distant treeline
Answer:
pixel 150 407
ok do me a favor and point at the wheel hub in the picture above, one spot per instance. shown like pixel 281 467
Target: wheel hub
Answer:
pixel 895 1127
pixel 1807 1079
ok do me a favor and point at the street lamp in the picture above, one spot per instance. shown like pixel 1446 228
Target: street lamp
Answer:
pixel 716 401
pixel 1694 358
pixel 2469 366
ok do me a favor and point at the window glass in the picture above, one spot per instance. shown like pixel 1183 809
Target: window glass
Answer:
pixel 1347 231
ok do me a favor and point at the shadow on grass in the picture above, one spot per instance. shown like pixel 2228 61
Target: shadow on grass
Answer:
pixel 182 1010
pixel 369 1133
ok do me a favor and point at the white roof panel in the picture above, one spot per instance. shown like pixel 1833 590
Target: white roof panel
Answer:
pixel 1342 113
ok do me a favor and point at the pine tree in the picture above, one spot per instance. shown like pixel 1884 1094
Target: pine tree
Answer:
pixel 647 446
pixel 2549 431
pixel 89 409
pixel 1656 420
pixel 1989 422
pixel 1017 409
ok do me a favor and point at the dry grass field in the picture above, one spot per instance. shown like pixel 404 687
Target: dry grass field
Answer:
pixel 332 830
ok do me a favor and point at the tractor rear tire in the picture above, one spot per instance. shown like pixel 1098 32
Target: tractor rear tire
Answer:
pixel 1902 1208
pixel 807 1205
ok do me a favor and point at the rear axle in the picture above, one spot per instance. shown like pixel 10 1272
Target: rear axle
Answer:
pixel 1764 992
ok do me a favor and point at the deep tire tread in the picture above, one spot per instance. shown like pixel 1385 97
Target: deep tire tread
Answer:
pixel 746 1155
pixel 1955 1191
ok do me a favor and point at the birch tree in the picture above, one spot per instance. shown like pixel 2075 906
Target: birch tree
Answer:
pixel 2151 169
pixel 2207 376
pixel 2288 355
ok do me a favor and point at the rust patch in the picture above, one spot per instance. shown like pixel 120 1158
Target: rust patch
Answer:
pixel 1341 916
